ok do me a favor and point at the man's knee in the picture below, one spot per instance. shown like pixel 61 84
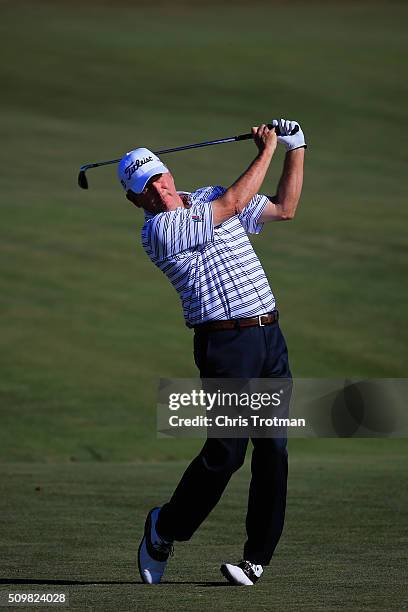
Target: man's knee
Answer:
pixel 224 456
pixel 271 446
pixel 279 445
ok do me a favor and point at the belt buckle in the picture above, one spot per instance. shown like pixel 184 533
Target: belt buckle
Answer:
pixel 260 320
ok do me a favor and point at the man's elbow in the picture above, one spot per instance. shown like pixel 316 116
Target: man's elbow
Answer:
pixel 288 211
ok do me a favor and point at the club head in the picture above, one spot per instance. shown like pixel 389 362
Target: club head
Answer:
pixel 82 180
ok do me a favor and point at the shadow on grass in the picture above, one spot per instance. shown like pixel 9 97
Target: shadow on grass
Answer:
pixel 89 582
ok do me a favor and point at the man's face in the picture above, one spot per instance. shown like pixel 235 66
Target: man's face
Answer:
pixel 158 195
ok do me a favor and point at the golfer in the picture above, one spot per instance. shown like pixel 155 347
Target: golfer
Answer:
pixel 200 241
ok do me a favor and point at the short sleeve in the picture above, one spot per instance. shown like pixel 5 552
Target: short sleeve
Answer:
pixel 251 213
pixel 173 232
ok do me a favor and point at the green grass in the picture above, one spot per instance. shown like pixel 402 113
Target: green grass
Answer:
pixel 75 528
pixel 87 324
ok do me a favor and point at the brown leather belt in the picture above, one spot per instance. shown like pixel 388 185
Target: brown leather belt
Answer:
pixel 259 321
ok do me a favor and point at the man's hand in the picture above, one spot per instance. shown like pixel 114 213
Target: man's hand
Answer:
pixel 265 139
pixel 285 128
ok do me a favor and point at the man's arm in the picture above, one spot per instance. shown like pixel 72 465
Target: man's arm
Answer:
pixel 236 197
pixel 283 205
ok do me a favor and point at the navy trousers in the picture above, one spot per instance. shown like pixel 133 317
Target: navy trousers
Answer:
pixel 252 352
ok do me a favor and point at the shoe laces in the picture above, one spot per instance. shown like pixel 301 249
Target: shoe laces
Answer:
pixel 164 547
pixel 257 569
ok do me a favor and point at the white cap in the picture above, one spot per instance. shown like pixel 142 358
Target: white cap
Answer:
pixel 137 166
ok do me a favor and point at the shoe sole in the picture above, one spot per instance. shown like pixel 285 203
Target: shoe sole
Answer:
pixel 138 561
pixel 224 571
pixel 227 575
pixel 148 526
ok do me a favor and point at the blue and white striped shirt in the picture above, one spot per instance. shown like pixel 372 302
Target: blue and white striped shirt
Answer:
pixel 215 270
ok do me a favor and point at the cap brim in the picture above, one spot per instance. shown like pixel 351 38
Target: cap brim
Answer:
pixel 139 184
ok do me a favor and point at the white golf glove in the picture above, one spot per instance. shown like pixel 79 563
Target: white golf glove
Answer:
pixel 285 128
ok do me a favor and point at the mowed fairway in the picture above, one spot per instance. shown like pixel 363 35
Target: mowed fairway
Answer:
pixel 75 529
pixel 88 326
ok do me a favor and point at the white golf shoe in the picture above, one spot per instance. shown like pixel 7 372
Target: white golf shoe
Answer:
pixel 242 574
pixel 153 551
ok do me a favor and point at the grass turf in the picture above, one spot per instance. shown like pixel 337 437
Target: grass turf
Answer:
pixel 88 325
pixel 75 528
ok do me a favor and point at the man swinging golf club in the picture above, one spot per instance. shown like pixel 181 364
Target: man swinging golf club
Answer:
pixel 199 240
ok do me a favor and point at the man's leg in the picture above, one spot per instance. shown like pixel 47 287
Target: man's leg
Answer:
pixel 201 487
pixel 267 499
pixel 219 354
pixel 269 466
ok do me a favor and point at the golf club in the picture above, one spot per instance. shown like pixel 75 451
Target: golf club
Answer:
pixel 83 181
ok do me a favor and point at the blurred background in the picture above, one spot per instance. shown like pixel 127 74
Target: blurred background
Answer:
pixel 88 325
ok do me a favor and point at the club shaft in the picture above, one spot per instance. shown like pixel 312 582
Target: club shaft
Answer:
pixel 197 145
pixel 204 144
pixel 82 181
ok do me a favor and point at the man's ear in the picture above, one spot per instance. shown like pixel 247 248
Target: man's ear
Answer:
pixel 132 197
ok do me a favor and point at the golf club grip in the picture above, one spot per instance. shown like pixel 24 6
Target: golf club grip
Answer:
pixel 270 126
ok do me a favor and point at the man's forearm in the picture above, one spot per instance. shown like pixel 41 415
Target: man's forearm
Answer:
pixel 283 205
pixel 234 200
pixel 249 183
pixel 290 183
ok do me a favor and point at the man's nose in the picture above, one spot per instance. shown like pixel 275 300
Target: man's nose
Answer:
pixel 156 186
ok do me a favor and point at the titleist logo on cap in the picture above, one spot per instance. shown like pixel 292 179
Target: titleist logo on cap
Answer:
pixel 135 165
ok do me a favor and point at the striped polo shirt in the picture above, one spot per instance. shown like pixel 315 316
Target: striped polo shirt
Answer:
pixel 215 270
